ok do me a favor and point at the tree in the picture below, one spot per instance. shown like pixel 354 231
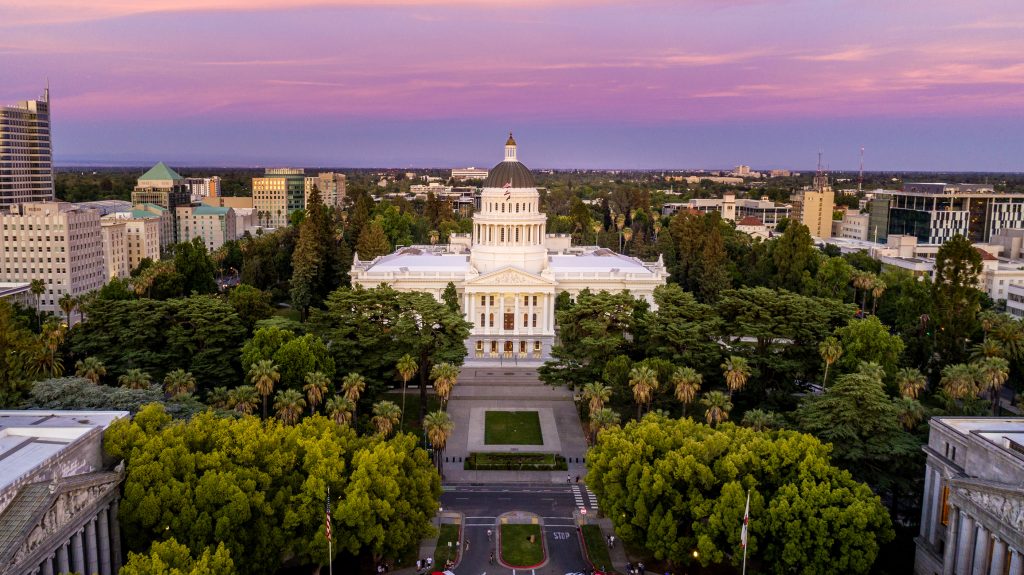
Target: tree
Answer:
pixel 193 263
pixel 830 351
pixel 288 405
pixel 736 372
pixel 219 398
pixel 682 331
pixel 675 486
pixel 450 297
pixel 372 242
pixel 717 407
pixel 760 420
pixel 317 261
pixel 911 382
pixel 910 412
pixel 264 343
pixel 406 368
pixel 340 409
pixel 172 558
pixel 386 416
pixel 352 386
pixel 955 297
pixel 445 376
pixel 869 340
pixel 38 287
pixel 316 388
pixel 596 393
pixel 300 356
pixel 686 382
pixel 992 375
pixel 134 379
pixel 644 382
pixel 438 426
pixel 264 375
pixel 178 383
pixel 90 368
pixel 251 304
pixel 600 420
pixel 792 255
pixel 80 394
pixel 959 381
pixel 67 305
pixel 16 343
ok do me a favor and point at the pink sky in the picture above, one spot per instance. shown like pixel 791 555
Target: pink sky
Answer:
pixel 153 65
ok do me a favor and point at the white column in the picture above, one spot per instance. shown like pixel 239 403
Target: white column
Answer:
pixel 63 561
pixel 516 312
pixel 982 541
pixel 998 557
pixel 104 536
pixel 115 536
pixel 965 544
pixel 78 552
pixel 91 552
pixel 1016 563
pixel 48 566
pixel 928 504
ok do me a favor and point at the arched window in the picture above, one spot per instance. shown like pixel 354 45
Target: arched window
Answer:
pixel 482 322
pixel 491 322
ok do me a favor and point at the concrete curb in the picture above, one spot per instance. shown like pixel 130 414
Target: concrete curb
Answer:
pixel 543 545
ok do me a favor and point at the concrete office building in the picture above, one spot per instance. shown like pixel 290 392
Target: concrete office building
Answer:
pixel 278 194
pixel 331 186
pixel 213 224
pixel 26 153
pixel 58 494
pixel 142 235
pixel 115 247
pixel 200 188
pixel 469 173
pixel 162 186
pixel 972 515
pixel 813 208
pixel 935 212
pixel 54 242
pixel 733 209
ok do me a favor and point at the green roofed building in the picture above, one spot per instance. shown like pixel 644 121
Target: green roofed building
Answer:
pixel 161 186
pixel 215 225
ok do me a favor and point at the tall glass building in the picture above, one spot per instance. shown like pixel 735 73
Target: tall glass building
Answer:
pixel 935 212
pixel 26 153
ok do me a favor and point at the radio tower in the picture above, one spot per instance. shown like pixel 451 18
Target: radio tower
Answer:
pixel 860 179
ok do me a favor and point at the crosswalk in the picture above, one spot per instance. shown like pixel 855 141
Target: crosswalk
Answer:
pixel 584 497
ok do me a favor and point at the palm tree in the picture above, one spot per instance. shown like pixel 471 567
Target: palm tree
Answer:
pixel 315 388
pixel 38 288
pixel 445 376
pixel 911 382
pixel 863 281
pixel 1010 336
pixel 761 420
pixel 438 425
pixel 736 372
pixel 386 415
pixel 134 379
pixel 987 348
pixel 90 368
pixel 407 367
pixel 910 412
pixel 830 351
pixel 244 399
pixel 179 382
pixel 600 420
pixel 264 374
pixel 992 375
pixel 687 383
pixel 45 360
pixel 218 398
pixel 288 404
pixel 67 304
pixel 871 369
pixel 718 407
pixel 644 382
pixel 340 409
pixel 959 381
pixel 597 394
pixel 989 319
pixel 877 290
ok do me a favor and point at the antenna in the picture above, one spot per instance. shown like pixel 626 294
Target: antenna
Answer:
pixel 819 162
pixel 860 179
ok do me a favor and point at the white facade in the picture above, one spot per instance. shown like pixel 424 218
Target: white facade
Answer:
pixel 853 226
pixel 142 235
pixel 54 242
pixel 115 247
pixel 512 270
pixel 469 173
pixel 212 224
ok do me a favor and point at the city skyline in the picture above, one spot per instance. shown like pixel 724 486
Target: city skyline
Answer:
pixel 922 86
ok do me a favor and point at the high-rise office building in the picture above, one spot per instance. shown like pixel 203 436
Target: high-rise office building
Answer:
pixel 813 208
pixel 163 187
pixel 278 194
pixel 331 186
pixel 26 153
pixel 935 212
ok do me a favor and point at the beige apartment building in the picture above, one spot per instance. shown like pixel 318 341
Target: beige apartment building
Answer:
pixel 115 247
pixel 142 235
pixel 813 208
pixel 213 224
pixel 278 194
pixel 331 186
pixel 54 242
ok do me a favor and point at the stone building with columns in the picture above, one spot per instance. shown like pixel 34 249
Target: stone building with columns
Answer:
pixel 972 517
pixel 509 271
pixel 58 496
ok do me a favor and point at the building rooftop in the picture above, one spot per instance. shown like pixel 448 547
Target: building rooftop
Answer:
pixel 750 221
pixel 105 207
pixel 160 172
pixel 601 260
pixel 206 210
pixel 28 438
pixel 8 289
pixel 1005 432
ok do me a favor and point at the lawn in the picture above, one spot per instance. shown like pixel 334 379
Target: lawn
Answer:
pixel 449 533
pixel 515 462
pixel 412 406
pixel 516 549
pixel 597 547
pixel 512 428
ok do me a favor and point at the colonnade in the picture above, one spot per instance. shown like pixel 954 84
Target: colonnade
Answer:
pixel 94 548
pixel 509 234
pixel 971 549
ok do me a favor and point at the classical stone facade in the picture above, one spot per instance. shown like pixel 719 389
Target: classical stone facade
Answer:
pixel 508 271
pixel 972 519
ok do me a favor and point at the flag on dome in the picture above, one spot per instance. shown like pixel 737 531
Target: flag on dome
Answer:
pixel 327 520
pixel 508 190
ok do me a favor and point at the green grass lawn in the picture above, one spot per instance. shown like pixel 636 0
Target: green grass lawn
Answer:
pixel 449 533
pixel 516 549
pixel 412 406
pixel 512 428
pixel 597 546
pixel 515 461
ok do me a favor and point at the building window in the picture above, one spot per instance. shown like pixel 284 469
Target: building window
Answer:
pixel 944 504
pixel 483 321
pixel 534 320
pixel 522 347
pixel 494 347
pixel 534 300
pixel 480 345
pixel 492 300
pixel 526 300
pixel 510 321
pixel 526 320
pixel 483 300
pixel 536 346
pixel 491 323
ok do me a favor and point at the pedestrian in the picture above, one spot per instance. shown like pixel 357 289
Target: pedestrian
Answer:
pixel 467 545
pixel 613 540
pixel 640 568
pixel 419 564
pixel 488 534
pixel 609 540
pixel 568 478
pixel 491 560
pixel 577 479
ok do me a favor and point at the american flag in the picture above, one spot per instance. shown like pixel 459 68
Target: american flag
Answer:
pixel 327 520
pixel 746 520
pixel 508 190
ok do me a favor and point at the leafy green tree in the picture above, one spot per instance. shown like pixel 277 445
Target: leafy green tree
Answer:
pixel 955 297
pixel 450 297
pixel 833 279
pixel 251 304
pixel 197 270
pixel 300 356
pixel 80 394
pixel 793 257
pixel 90 368
pixel 675 486
pixel 682 331
pixel 264 344
pixel 868 340
pixel 317 262
pixel 172 558
pixel 116 289
pixel 372 242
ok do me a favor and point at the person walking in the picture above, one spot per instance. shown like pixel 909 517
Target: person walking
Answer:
pixel 491 560
pixel 568 478
pixel 489 534
pixel 577 479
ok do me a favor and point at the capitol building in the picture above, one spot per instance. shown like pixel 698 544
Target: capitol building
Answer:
pixel 509 271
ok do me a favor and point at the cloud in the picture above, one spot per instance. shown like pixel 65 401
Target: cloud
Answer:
pixel 852 54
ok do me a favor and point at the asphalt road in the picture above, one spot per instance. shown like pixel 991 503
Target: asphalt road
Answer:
pixel 481 506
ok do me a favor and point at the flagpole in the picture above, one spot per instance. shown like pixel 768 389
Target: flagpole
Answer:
pixel 330 558
pixel 746 520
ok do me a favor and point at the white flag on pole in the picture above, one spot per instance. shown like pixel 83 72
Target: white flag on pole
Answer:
pixel 746 520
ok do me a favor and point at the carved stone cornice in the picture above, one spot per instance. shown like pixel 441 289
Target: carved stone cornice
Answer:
pixel 1002 505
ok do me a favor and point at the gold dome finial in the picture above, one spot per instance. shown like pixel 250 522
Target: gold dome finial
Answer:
pixel 511 141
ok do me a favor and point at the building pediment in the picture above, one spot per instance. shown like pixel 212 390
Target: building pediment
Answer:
pixel 1003 502
pixel 510 276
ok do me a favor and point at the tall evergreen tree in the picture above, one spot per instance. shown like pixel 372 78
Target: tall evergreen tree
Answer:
pixel 450 297
pixel 955 297
pixel 372 242
pixel 316 263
